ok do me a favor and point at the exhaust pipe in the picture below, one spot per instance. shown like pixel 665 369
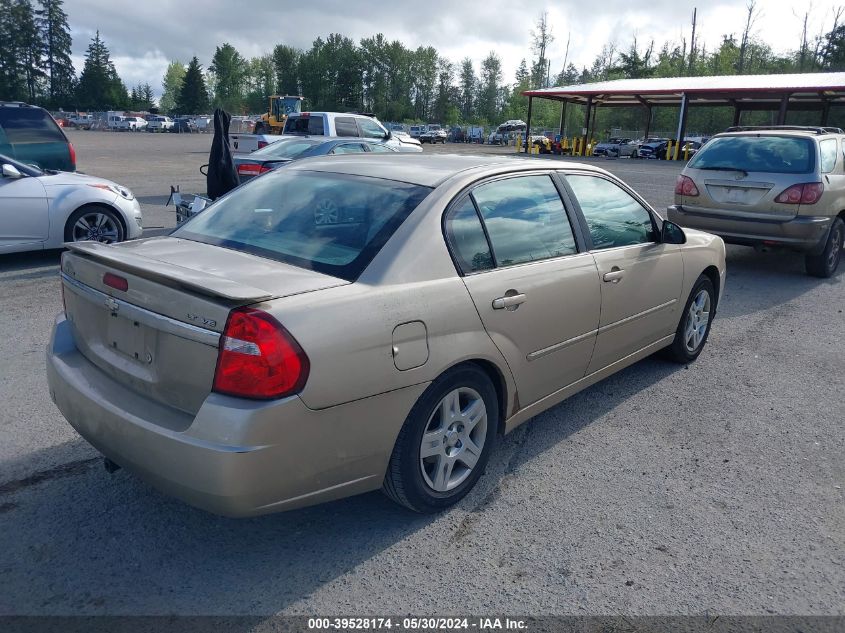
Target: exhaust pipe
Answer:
pixel 110 466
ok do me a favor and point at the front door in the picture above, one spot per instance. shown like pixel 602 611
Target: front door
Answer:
pixel 23 212
pixel 641 279
pixel 537 296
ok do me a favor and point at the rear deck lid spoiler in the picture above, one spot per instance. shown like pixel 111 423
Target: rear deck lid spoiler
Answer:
pixel 196 280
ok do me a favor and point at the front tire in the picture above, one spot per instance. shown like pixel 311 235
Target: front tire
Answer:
pixel 696 319
pixel 94 223
pixel 445 443
pixel 825 263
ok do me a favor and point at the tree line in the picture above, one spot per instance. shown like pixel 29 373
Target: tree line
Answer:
pixel 383 76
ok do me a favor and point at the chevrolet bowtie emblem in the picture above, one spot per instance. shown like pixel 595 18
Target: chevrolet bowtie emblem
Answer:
pixel 112 305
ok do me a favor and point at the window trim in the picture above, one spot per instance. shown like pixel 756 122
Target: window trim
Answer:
pixel 582 219
pixel 580 243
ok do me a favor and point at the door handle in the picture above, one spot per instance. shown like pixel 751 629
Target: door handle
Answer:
pixel 614 276
pixel 509 301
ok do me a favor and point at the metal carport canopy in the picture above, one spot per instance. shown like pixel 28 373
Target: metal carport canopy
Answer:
pixel 746 91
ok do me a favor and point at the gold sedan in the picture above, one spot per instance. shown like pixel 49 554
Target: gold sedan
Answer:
pixel 352 323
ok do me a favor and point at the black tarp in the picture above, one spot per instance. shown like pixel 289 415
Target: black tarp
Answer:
pixel 221 176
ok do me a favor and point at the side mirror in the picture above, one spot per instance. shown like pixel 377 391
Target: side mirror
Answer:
pixel 388 135
pixel 671 233
pixel 10 171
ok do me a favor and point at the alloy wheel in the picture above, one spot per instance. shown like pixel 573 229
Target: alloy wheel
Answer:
pixel 453 439
pixel 96 226
pixel 698 317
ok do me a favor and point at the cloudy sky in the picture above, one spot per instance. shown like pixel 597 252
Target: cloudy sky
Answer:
pixel 144 36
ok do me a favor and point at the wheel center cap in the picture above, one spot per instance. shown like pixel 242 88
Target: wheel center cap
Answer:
pixel 452 437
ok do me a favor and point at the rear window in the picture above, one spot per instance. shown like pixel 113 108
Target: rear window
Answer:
pixel 304 125
pixel 345 126
pixel 331 223
pixel 289 148
pixel 30 125
pixel 773 154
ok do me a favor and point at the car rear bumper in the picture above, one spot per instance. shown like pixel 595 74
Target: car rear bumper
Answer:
pixel 802 232
pixel 234 457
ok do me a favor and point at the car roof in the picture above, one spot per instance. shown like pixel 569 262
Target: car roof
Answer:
pixel 428 170
pixel 778 132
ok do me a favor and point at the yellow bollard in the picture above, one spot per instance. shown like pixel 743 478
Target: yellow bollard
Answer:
pixel 574 146
pixel 518 143
pixel 530 144
pixel 686 152
pixel 677 150
pixel 669 150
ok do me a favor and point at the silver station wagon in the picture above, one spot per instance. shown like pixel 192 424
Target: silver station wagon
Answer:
pixel 355 323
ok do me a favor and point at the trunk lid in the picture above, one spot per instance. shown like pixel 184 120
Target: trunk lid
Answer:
pixel 159 336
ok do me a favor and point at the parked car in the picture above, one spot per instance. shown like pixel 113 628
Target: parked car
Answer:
pixel 616 147
pixel 287 149
pixel 131 124
pixel 30 135
pixel 347 124
pixel 81 121
pixel 769 186
pixel 159 124
pixel 350 323
pixel 653 148
pixel 457 134
pixel 183 125
pixel 415 130
pixel 475 134
pixel 434 135
pixel 43 209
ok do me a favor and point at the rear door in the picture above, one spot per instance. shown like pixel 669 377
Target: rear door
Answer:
pixel 535 291
pixel 641 279
pixel 23 212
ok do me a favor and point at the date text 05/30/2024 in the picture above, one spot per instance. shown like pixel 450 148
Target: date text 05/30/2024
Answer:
pixel 415 624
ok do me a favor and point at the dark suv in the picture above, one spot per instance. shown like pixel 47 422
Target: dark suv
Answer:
pixel 30 135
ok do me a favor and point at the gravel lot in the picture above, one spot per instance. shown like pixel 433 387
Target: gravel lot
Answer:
pixel 713 488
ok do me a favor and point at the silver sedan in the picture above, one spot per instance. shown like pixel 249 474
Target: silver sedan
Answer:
pixel 44 209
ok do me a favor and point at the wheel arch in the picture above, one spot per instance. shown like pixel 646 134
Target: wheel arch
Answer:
pixel 496 377
pixel 712 273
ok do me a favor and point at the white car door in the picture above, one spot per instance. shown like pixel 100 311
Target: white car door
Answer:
pixel 24 216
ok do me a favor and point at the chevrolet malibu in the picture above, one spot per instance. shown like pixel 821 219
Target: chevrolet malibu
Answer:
pixel 348 324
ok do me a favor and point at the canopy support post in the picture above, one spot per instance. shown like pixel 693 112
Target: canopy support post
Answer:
pixel 682 123
pixel 586 124
pixel 528 123
pixel 784 104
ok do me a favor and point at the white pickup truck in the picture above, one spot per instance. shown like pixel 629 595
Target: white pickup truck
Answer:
pixel 131 123
pixel 160 124
pixel 327 124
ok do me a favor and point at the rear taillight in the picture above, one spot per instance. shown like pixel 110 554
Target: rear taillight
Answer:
pixel 72 151
pixel 807 193
pixel 684 186
pixel 262 144
pixel 258 358
pixel 252 170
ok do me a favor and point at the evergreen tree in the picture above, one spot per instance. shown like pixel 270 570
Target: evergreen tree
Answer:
pixel 171 86
pixel 21 73
pixel 286 62
pixel 193 96
pixel 100 87
pixel 229 70
pixel 468 88
pixel 56 49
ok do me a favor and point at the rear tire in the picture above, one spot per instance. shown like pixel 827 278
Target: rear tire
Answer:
pixel 825 263
pixel 696 319
pixel 445 443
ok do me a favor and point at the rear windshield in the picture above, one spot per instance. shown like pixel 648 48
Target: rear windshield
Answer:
pixel 289 148
pixel 304 125
pixel 331 223
pixel 29 125
pixel 774 154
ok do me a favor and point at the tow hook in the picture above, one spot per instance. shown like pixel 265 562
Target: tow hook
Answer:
pixel 110 466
